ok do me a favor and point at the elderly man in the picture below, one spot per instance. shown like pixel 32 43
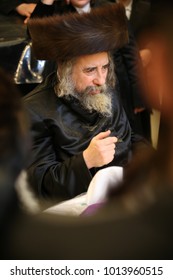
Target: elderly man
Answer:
pixel 78 124
pixel 125 228
pixel 128 65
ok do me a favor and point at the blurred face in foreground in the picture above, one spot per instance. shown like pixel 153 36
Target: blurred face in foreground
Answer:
pixel 160 76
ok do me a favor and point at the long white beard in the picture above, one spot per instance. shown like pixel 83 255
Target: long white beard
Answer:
pixel 101 102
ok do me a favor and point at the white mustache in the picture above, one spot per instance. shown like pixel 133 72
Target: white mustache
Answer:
pixel 90 89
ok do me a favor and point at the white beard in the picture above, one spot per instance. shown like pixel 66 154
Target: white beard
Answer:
pixel 100 102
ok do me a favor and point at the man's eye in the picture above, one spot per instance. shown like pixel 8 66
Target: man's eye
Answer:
pixel 89 70
pixel 105 67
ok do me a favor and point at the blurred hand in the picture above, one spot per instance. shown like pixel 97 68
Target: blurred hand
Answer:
pixel 139 110
pixel 101 150
pixel 50 2
pixel 25 10
pixel 146 56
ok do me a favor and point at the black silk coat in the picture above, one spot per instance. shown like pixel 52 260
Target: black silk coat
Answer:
pixel 61 131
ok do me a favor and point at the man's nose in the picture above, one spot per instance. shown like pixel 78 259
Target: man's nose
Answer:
pixel 99 79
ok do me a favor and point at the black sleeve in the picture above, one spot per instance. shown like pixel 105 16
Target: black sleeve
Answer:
pixel 8 6
pixel 49 175
pixel 43 10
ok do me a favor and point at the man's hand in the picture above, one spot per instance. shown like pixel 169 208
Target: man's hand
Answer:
pixel 50 2
pixel 47 2
pixel 25 10
pixel 101 150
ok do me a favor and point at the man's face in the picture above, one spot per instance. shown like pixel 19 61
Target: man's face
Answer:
pixel 90 72
pixel 79 3
pixel 86 80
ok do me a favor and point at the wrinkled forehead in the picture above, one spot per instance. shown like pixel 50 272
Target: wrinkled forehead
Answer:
pixel 94 60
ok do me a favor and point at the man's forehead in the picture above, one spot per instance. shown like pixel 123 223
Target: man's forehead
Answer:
pixel 94 60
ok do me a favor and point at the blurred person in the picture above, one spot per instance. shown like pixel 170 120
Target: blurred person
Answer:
pixel 144 202
pixel 138 13
pixel 22 8
pixel 126 59
pixel 14 144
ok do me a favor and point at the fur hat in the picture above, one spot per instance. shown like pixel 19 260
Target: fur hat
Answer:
pixel 71 35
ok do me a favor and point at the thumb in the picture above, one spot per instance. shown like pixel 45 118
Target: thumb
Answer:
pixel 103 135
pixel 27 14
pixel 26 20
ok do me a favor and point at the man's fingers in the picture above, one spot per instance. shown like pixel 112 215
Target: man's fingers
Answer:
pixel 109 140
pixel 102 135
pixel 26 20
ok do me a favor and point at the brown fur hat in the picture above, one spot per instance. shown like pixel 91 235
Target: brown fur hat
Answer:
pixel 64 37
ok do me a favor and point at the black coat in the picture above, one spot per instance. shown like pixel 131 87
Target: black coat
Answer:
pixel 61 131
pixel 140 22
pixel 140 17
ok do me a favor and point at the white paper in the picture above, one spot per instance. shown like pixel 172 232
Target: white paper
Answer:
pixel 104 180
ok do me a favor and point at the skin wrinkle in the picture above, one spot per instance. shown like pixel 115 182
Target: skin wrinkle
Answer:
pixel 95 82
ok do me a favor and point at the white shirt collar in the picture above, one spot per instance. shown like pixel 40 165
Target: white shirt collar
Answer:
pixel 85 9
pixel 128 9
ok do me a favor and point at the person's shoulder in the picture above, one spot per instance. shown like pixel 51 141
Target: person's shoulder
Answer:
pixel 32 94
pixel 41 91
